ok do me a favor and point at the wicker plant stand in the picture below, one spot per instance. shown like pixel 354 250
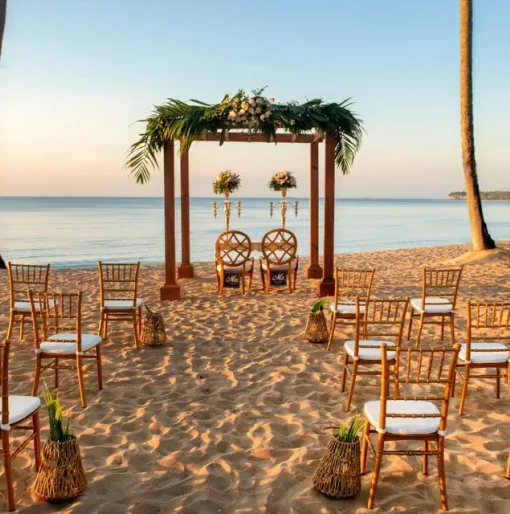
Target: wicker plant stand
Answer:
pixel 61 476
pixel 338 474
pixel 316 328
pixel 153 330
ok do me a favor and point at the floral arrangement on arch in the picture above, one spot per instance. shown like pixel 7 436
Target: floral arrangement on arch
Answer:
pixel 245 111
pixel 282 180
pixel 226 182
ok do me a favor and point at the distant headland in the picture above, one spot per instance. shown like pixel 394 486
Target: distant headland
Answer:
pixel 485 195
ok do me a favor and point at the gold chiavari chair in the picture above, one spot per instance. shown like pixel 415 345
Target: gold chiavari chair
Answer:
pixel 411 417
pixel 382 322
pixel 21 278
pixel 487 323
pixel 58 337
pixel 18 413
pixel 438 299
pixel 233 256
pixel 118 286
pixel 279 255
pixel 349 284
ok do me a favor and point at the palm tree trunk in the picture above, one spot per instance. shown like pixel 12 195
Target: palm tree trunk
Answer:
pixel 479 233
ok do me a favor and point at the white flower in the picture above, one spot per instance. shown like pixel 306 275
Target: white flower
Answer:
pixel 258 110
pixel 262 117
pixel 259 100
pixel 241 112
pixel 251 110
pixel 271 100
pixel 268 113
pixel 253 103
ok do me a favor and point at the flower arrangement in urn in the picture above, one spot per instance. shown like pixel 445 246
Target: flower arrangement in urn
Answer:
pixel 282 181
pixel 226 182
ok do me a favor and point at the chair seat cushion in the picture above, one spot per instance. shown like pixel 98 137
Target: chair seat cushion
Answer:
pixel 404 426
pixel 279 267
pixel 347 307
pixel 22 406
pixel 113 305
pixel 24 305
pixel 247 267
pixel 369 353
pixel 433 305
pixel 485 357
pixel 57 346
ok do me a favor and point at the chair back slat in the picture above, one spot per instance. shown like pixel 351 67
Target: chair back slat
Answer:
pixel 26 276
pixel 279 246
pixel 233 248
pixel 54 313
pixel 442 283
pixel 4 380
pixel 118 281
pixel 353 283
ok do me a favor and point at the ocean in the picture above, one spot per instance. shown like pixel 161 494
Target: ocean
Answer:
pixel 77 232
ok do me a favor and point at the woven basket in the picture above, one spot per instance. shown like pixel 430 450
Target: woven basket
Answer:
pixel 316 328
pixel 61 476
pixel 153 330
pixel 338 474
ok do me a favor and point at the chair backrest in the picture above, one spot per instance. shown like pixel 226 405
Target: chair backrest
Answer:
pixel 381 320
pixel 487 321
pixel 353 283
pixel 233 248
pixel 118 281
pixel 432 369
pixel 54 313
pixel 441 282
pixel 4 379
pixel 279 246
pixel 26 276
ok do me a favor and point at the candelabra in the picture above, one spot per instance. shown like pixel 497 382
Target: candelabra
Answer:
pixel 283 207
pixel 227 208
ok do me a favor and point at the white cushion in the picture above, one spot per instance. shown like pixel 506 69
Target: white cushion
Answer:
pixel 433 305
pixel 404 426
pixel 55 344
pixel 247 267
pixel 122 304
pixel 346 307
pixel 22 406
pixel 24 305
pixel 279 267
pixel 485 357
pixel 369 353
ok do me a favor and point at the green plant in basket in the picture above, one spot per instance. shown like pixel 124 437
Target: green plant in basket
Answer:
pixel 319 306
pixel 60 431
pixel 348 432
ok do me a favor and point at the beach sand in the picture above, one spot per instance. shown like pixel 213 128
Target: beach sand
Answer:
pixel 228 416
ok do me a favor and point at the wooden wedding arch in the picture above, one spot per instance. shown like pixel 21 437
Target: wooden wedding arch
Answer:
pixel 171 290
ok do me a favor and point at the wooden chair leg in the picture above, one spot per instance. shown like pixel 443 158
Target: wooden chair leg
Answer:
pixel 105 326
pixel 344 371
pixel 452 328
pixel 222 280
pixel 11 325
pixel 268 279
pixel 420 328
pixel 377 470
pixel 411 311
pixel 250 280
pixel 37 440
pixel 101 325
pixel 81 383
pixel 498 377
pixel 425 463
pixel 35 385
pixel 442 472
pixel 56 373
pixel 331 330
pixel 295 279
pixel 99 367
pixel 6 448
pixel 22 329
pixel 243 287
pixel 364 448
pixel 135 330
pixel 351 385
pixel 464 389
pixel 442 328
pixel 289 280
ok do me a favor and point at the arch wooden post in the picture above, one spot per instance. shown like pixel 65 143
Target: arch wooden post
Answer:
pixel 314 270
pixel 170 290
pixel 185 270
pixel 327 284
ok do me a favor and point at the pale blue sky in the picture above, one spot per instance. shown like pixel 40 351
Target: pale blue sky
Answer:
pixel 76 74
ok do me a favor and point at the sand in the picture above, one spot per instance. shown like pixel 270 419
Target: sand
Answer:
pixel 228 416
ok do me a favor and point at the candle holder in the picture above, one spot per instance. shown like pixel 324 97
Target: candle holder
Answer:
pixel 284 204
pixel 227 209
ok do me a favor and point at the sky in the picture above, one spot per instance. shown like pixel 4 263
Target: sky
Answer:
pixel 76 75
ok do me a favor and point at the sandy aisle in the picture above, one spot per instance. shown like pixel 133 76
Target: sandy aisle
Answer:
pixel 227 416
